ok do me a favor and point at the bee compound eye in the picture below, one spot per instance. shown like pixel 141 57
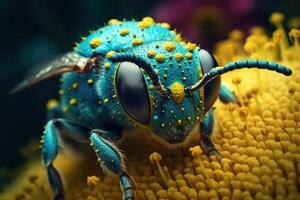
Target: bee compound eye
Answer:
pixel 207 61
pixel 132 92
pixel 211 90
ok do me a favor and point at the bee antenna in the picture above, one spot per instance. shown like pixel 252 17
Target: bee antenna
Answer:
pixel 164 92
pixel 218 71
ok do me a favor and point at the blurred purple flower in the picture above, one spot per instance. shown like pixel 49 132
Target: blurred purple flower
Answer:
pixel 206 22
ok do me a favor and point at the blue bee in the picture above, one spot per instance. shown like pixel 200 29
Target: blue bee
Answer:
pixel 133 74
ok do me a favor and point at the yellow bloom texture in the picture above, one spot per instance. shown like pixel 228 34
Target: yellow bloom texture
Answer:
pixel 259 140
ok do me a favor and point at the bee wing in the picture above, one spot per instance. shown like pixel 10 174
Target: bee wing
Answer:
pixel 68 62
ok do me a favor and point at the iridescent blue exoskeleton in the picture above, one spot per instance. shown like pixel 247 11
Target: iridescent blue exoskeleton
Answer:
pixel 130 74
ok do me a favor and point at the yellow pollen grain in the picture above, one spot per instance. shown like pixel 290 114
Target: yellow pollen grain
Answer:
pixel 177 91
pixel 90 81
pixel 95 42
pixel 190 46
pixel 73 101
pixel 75 85
pixel 52 103
pixel 165 25
pixel 151 54
pixel 151 87
pixel 169 46
pixel 146 22
pixel 143 25
pixel 149 20
pixel 110 54
pixel 114 21
pixel 178 56
pixel 179 121
pixel 188 55
pixel 107 65
pixel 178 38
pixel 137 41
pixel 124 32
pixel 160 58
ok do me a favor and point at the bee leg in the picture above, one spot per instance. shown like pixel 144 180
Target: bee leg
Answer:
pixel 56 131
pixel 206 129
pixel 226 96
pixel 112 162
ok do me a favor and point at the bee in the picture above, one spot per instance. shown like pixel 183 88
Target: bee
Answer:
pixel 133 74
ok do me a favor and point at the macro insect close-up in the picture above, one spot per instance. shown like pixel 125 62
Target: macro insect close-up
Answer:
pixel 130 74
pixel 179 100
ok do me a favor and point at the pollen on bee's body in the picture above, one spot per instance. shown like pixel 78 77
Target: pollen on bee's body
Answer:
pixel 165 25
pixel 177 91
pixel 124 32
pixel 151 87
pixel 52 103
pixel 107 65
pixel 110 54
pixel 73 101
pixel 190 46
pixel 146 22
pixel 95 42
pixel 137 41
pixel 75 85
pixel 188 55
pixel 169 46
pixel 151 53
pixel 178 57
pixel 160 58
pixel 177 38
pixel 90 81
pixel 114 21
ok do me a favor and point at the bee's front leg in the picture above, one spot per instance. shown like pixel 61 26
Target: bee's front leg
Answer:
pixel 56 132
pixel 206 130
pixel 112 161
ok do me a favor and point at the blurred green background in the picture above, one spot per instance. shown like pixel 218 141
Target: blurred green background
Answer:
pixel 35 31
